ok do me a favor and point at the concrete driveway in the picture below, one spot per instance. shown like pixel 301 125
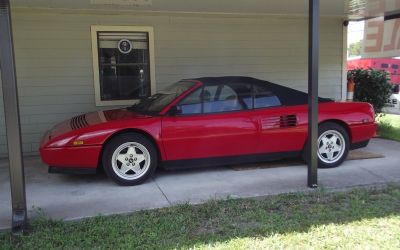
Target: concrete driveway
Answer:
pixel 71 197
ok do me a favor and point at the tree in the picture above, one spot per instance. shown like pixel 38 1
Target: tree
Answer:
pixel 355 49
pixel 372 86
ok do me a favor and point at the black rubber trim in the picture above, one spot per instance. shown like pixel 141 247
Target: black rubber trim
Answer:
pixel 391 15
pixel 228 160
pixel 357 145
pixel 66 170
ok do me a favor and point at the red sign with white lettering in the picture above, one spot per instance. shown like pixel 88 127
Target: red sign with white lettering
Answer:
pixel 381 38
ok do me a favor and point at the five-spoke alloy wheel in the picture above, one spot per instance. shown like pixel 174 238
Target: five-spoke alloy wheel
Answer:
pixel 129 159
pixel 333 145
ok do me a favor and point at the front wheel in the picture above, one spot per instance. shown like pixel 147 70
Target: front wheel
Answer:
pixel 129 159
pixel 333 145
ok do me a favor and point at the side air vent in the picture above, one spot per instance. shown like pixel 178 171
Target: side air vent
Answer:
pixel 283 121
pixel 78 122
pixel 288 121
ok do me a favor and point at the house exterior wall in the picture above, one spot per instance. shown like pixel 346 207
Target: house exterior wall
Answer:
pixel 55 69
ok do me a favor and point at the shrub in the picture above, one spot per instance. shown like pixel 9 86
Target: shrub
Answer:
pixel 372 86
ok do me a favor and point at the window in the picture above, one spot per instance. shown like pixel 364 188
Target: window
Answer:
pixel 123 64
pixel 229 97
pixel 264 98
pixel 156 103
pixel 191 104
pixel 385 65
pixel 217 98
pixel 245 96
pixel 396 89
pixel 194 102
pixel 395 66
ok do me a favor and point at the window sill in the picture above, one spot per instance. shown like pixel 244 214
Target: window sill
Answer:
pixel 116 103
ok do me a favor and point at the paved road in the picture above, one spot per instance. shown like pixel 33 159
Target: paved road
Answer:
pixel 72 197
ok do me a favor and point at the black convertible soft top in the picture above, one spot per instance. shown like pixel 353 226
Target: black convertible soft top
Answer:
pixel 286 95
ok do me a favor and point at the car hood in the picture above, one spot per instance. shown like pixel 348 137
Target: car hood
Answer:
pixel 94 118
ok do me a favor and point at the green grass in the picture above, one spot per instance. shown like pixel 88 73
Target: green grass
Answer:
pixel 356 219
pixel 389 127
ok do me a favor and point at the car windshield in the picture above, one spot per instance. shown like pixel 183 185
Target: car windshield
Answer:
pixel 156 103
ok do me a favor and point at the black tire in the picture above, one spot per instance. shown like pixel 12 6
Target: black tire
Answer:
pixel 140 143
pixel 337 128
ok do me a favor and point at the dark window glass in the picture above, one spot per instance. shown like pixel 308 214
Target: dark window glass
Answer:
pixel 244 93
pixel 124 66
pixel 264 98
pixel 385 65
pixel 217 98
pixel 210 99
pixel 225 98
pixel 396 89
pixel 395 66
pixel 191 104
pixel 157 102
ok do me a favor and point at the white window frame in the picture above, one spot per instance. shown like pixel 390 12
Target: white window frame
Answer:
pixel 95 52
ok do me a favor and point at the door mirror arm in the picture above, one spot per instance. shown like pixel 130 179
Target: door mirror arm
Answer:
pixel 174 111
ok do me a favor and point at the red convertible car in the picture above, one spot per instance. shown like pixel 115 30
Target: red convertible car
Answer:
pixel 205 121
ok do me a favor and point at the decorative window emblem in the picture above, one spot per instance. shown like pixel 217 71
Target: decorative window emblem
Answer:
pixel 125 46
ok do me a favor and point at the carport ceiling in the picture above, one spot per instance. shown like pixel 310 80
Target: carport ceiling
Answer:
pixel 350 9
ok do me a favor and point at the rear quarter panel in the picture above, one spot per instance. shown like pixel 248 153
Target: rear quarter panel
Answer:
pixel 358 116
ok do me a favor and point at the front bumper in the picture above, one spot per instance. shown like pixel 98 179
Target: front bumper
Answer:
pixel 71 157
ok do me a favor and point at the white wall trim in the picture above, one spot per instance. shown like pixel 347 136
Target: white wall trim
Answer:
pixel 105 11
pixel 96 76
pixel 344 63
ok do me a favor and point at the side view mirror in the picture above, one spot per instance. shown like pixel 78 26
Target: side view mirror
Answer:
pixel 174 110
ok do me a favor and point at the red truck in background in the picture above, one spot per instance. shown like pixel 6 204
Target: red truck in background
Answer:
pixel 390 65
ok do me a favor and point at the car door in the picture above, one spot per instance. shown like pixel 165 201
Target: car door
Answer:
pixel 281 128
pixel 215 121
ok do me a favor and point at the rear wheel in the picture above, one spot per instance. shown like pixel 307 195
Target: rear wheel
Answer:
pixel 333 145
pixel 129 159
